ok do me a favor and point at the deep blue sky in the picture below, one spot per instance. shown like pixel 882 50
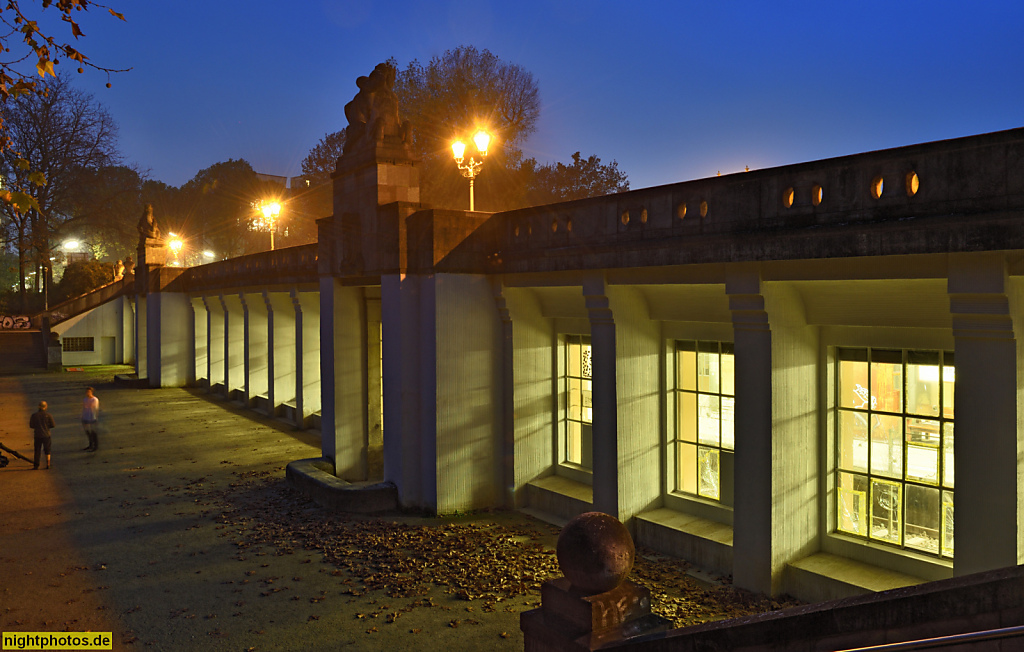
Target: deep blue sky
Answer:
pixel 671 90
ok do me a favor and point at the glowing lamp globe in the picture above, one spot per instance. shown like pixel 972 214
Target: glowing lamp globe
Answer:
pixel 459 150
pixel 482 139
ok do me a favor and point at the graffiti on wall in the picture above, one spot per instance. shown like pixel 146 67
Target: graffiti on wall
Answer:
pixel 14 323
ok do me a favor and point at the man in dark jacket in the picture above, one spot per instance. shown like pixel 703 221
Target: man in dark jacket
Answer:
pixel 41 423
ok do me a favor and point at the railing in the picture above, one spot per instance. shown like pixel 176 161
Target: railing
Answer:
pixel 77 305
pixel 954 179
pixel 290 265
pixel 945 641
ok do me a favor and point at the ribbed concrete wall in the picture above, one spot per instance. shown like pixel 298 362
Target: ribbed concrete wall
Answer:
pixel 468 394
pixel 533 398
pixel 638 395
pixel 257 359
pixel 202 339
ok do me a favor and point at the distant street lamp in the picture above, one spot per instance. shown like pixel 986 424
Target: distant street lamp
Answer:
pixel 71 245
pixel 175 244
pixel 270 213
pixel 469 170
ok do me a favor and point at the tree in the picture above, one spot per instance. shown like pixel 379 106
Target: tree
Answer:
pixel 453 95
pixel 315 199
pixel 53 136
pixel 107 204
pixel 585 177
pixel 320 163
pixel 219 208
pixel 45 49
pixel 82 277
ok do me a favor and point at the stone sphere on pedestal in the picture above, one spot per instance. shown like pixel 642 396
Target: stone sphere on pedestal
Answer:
pixel 595 552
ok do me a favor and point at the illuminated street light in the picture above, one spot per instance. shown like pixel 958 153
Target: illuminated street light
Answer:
pixel 209 254
pixel 175 245
pixel 71 245
pixel 270 210
pixel 471 169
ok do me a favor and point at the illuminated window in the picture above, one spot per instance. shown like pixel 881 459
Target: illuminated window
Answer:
pixel 703 440
pixel 894 447
pixel 577 386
pixel 77 343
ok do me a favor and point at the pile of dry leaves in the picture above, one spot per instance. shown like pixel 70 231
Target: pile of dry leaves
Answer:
pixel 473 559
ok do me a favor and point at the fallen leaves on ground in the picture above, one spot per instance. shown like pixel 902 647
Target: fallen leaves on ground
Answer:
pixel 480 560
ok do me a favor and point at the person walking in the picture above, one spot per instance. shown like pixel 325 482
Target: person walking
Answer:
pixel 41 423
pixel 90 415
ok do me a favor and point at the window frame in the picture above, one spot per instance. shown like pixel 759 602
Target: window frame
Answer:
pixel 717 509
pixel 908 416
pixel 78 345
pixel 578 472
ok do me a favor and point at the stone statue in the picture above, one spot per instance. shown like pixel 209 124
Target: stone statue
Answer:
pixel 373 112
pixel 118 270
pixel 147 224
pixel 129 266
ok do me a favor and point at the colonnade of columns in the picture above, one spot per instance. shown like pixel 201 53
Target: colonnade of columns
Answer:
pixel 261 348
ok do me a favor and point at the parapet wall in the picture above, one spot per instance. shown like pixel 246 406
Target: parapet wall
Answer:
pixel 965 194
pixel 973 603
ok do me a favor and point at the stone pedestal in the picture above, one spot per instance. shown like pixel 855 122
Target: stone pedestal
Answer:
pixel 593 606
pixel 152 253
pixel 569 620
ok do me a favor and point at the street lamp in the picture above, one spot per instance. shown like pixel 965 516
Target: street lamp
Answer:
pixel 270 213
pixel 175 244
pixel 469 170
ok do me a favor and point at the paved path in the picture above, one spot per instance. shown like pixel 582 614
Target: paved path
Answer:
pixel 132 539
pixel 180 533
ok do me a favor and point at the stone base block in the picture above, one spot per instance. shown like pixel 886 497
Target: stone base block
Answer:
pixel 569 620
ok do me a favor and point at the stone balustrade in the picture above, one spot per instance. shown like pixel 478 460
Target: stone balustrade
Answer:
pixel 771 214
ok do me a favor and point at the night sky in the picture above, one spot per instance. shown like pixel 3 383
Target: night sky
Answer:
pixel 671 90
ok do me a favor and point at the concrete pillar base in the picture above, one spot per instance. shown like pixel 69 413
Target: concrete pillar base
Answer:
pixel 570 620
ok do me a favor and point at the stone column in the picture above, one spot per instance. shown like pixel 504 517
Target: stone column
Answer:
pixel 343 382
pixel 169 337
pixel 215 348
pixel 141 368
pixel 234 346
pixel 752 508
pixel 506 388
pixel 410 387
pixel 604 398
pixel 202 341
pixel 257 352
pixel 988 446
pixel 307 340
pixel 281 354
pixel 775 514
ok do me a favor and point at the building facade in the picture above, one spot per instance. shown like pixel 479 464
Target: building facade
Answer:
pixel 807 377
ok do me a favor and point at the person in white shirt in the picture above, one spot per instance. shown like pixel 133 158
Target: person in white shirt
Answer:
pixel 90 416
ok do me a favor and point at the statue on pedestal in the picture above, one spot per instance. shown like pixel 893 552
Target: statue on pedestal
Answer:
pixel 151 247
pixel 147 225
pixel 373 112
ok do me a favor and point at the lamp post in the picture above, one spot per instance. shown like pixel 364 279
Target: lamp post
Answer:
pixel 270 213
pixel 175 245
pixel 469 170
